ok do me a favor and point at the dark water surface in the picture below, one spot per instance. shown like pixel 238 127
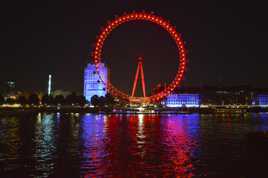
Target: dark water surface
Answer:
pixel 73 145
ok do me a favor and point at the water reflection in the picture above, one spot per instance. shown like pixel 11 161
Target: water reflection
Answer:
pixel 261 118
pixel 139 145
pixel 92 138
pixel 181 136
pixel 140 133
pixel 9 143
pixel 45 144
pixel 75 145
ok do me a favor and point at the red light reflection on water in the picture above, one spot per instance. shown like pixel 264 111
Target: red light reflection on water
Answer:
pixel 139 146
pixel 178 140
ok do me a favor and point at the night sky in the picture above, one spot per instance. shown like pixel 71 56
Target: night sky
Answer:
pixel 226 42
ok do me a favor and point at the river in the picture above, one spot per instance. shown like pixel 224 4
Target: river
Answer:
pixel 90 145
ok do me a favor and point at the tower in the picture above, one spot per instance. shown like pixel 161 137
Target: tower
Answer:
pixel 49 84
pixel 139 71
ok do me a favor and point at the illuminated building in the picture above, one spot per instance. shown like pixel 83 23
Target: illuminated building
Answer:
pixel 182 100
pixel 95 81
pixel 261 100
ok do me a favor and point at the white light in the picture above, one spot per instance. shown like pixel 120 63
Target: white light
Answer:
pixel 39 117
pixel 11 105
pixel 263 106
pixel 180 105
pixel 49 84
pixel 141 109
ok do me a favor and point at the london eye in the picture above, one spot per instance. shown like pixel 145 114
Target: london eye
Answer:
pixel 157 20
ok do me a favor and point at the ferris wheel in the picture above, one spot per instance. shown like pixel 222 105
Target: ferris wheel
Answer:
pixel 157 20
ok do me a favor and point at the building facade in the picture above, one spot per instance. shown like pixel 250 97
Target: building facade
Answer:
pixel 182 100
pixel 261 100
pixel 95 81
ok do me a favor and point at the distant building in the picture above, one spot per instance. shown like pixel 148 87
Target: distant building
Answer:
pixel 222 96
pixel 11 85
pixel 261 100
pixel 64 93
pixel 8 89
pixel 182 100
pixel 95 81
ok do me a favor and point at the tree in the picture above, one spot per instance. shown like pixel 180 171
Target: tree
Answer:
pixel 2 99
pixel 95 100
pixel 22 100
pixel 47 99
pixel 81 100
pixel 102 101
pixel 10 101
pixel 71 99
pixel 109 100
pixel 33 99
pixel 59 99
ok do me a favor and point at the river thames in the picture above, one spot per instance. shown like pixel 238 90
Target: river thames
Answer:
pixel 90 145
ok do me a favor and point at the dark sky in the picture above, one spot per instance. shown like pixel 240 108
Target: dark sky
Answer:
pixel 226 42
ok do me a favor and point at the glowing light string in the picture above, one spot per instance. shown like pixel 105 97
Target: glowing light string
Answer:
pixel 142 16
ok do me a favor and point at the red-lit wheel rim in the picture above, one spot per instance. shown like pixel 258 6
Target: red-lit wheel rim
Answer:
pixel 142 16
